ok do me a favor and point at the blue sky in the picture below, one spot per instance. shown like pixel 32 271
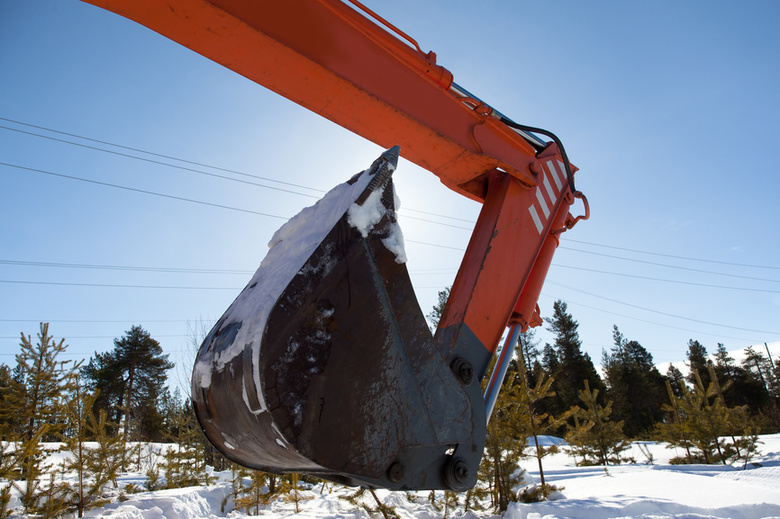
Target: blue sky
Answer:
pixel 669 109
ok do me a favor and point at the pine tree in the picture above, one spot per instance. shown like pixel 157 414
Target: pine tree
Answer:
pixel 634 385
pixel 38 394
pixel 745 388
pixel 673 430
pixel 573 366
pixel 185 464
pixel 95 465
pixel 504 445
pixel 254 495
pixel 359 499
pixel 438 309
pixel 7 473
pixel 130 380
pixel 533 421
pixel 698 363
pixel 593 436
pixel 528 349
pixel 700 421
pixel 675 380
pixel 447 503
pixel 75 442
pixel 291 490
pixel 8 416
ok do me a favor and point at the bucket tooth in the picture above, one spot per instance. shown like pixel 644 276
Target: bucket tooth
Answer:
pixel 325 365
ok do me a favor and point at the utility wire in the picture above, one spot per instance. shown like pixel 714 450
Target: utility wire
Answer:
pixel 94 321
pixel 648 278
pixel 215 175
pixel 144 191
pixel 200 164
pixel 122 267
pixel 667 314
pixel 109 285
pixel 191 200
pixel 411 241
pixel 687 258
pixel 138 150
pixel 610 312
pixel 423 271
pixel 666 265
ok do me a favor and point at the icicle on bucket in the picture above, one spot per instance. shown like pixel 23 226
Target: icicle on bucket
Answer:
pixel 324 363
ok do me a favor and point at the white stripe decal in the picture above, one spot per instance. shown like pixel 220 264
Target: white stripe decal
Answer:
pixel 562 169
pixel 554 171
pixel 537 220
pixel 548 187
pixel 542 202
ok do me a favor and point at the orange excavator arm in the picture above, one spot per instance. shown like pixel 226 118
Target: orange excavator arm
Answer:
pixel 346 63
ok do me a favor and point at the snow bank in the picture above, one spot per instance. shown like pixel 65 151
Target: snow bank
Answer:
pixel 634 491
pixel 182 503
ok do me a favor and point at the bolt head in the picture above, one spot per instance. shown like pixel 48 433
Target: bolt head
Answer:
pixel 396 472
pixel 463 371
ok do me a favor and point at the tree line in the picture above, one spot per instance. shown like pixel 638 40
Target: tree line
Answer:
pixel 106 413
pixel 713 414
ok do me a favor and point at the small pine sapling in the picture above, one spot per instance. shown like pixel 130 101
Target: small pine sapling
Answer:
pixel 594 436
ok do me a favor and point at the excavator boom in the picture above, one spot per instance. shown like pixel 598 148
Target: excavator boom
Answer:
pixel 324 363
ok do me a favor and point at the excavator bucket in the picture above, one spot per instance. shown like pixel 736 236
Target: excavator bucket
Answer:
pixel 324 363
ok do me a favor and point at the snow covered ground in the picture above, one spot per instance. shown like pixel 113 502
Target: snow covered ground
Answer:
pixel 640 490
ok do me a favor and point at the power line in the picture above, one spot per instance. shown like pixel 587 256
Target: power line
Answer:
pixel 215 175
pixel 430 271
pixel 82 337
pixel 688 258
pixel 122 267
pixel 227 170
pixel 94 321
pixel 190 200
pixel 144 191
pixel 648 278
pixel 662 313
pixel 652 322
pixel 138 150
pixel 666 265
pixel 108 285
pixel 200 164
